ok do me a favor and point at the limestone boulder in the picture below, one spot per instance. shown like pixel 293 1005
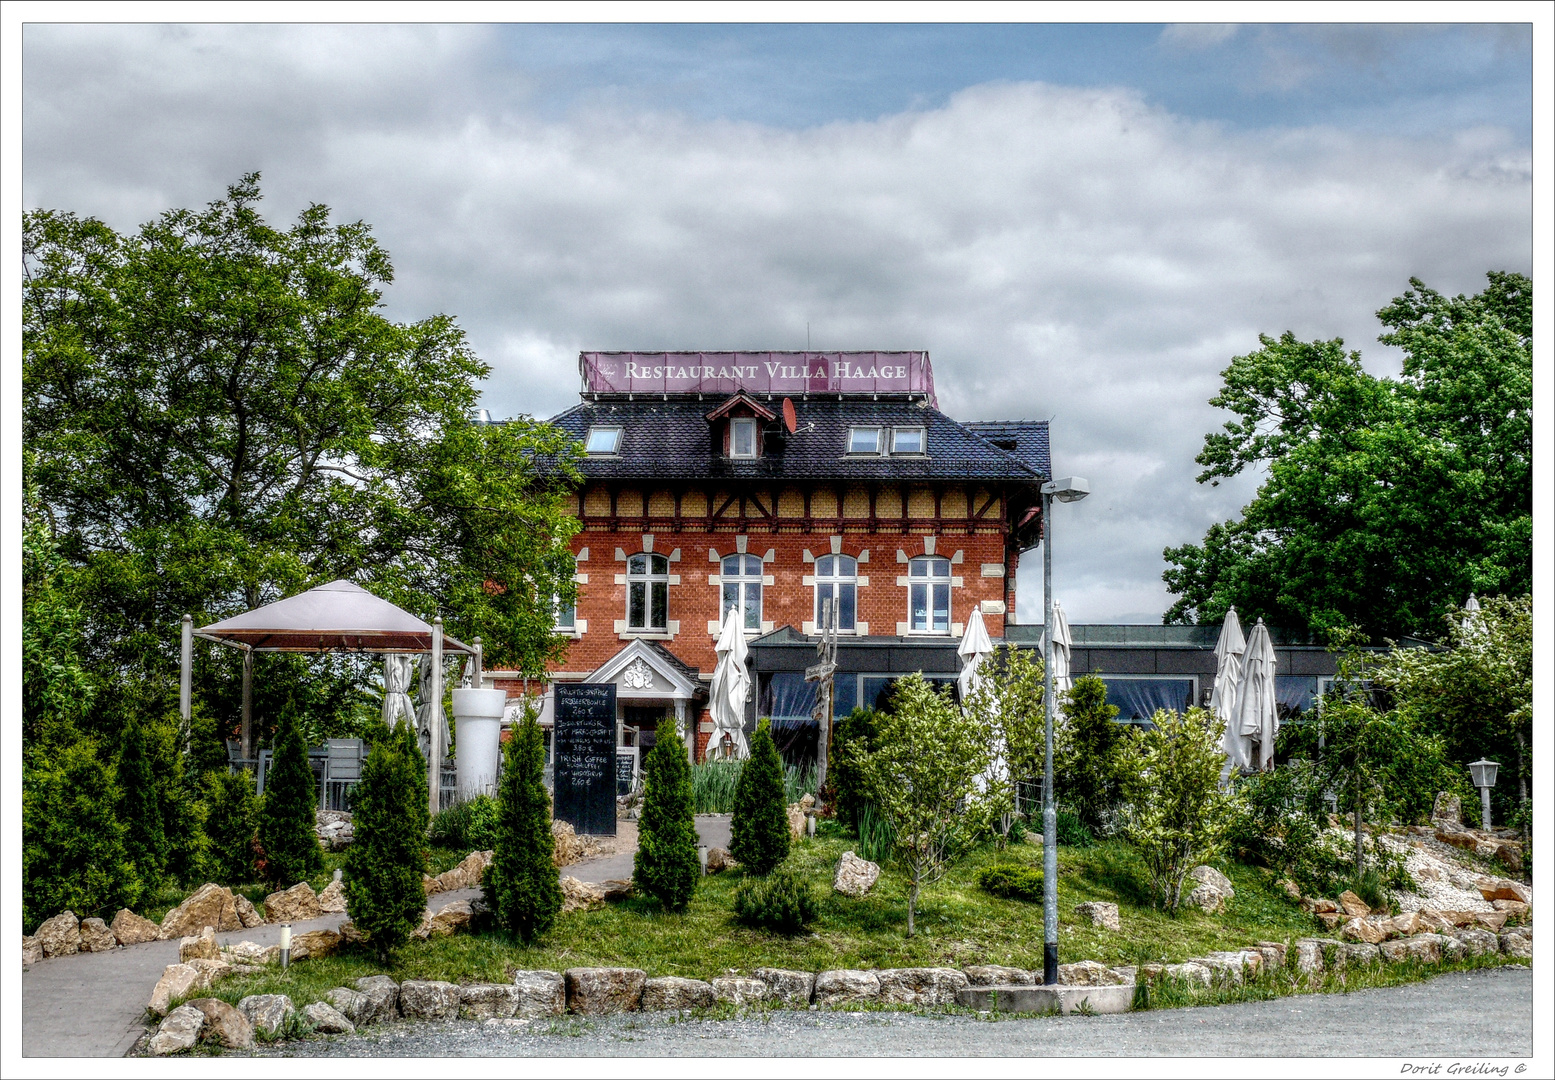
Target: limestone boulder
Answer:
pixel 854 876
pixel 61 935
pixel 1477 942
pixel 1086 973
pixel 719 860
pixel 429 1000
pixel 248 915
pixel 1212 891
pixel 921 986
pixel 1308 956
pixel 1275 954
pixel 178 980
pixel 315 944
pixel 1407 924
pixel 1502 889
pixel 1317 905
pixel 1363 930
pixel 601 991
pixel 567 846
pixel 32 949
pixel 450 919
pixel 96 937
pixel 1226 968
pixel 201 946
pixel 997 975
pixel 328 1020
pixel 296 904
pixel 1513 908
pixel 428 884
pixel 845 986
pixel 384 994
pixel 740 989
pixel 467 875
pixel 580 895
pixel 179 1030
pixel 1332 920
pixel 249 952
pixel 487 1001
pixel 1099 913
pixel 350 934
pixel 1353 905
pixel 671 993
pixel 614 889
pixel 130 929
pixel 209 905
pixel 796 821
pixel 332 901
pixel 1289 888
pixel 793 989
pixel 1517 944
pixel 1490 920
pixel 1356 954
pixel 539 993
pixel 1191 973
pixel 269 1013
pixel 354 1005
pixel 228 1025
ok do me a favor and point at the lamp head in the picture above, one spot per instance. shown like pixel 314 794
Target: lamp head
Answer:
pixel 1069 489
pixel 1484 772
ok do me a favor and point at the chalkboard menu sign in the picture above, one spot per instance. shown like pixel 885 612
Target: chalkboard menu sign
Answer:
pixel 626 770
pixel 585 751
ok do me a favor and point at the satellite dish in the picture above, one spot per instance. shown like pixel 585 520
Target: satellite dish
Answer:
pixel 790 421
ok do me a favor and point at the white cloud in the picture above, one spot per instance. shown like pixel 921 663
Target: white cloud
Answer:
pixel 1195 36
pixel 1062 253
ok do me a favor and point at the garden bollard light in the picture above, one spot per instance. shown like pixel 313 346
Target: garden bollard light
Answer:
pixel 1484 774
pixel 286 945
pixel 702 857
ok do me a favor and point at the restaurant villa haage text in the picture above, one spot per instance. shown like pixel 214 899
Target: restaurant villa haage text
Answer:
pixel 787 485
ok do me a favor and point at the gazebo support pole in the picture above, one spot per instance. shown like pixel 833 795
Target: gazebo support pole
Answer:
pixel 185 661
pixel 247 735
pixel 435 764
pixel 478 676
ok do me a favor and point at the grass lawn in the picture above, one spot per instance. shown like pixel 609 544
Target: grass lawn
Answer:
pixel 958 925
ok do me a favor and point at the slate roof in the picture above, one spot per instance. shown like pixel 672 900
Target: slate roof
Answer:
pixel 671 438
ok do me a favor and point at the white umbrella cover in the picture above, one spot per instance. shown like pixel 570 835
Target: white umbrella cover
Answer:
pixel 1222 702
pixel 1257 716
pixel 976 646
pixel 429 712
pixel 1062 644
pixel 396 690
pixel 1472 626
pixel 729 691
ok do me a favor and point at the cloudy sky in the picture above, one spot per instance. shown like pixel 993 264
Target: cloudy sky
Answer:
pixel 1081 223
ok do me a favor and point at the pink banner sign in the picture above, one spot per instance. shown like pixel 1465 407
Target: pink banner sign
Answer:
pixel 758 373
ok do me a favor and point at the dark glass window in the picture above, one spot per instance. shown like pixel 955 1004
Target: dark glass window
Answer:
pixel 647 592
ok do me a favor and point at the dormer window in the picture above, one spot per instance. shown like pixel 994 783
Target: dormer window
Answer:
pixel 603 441
pixel 864 440
pixel 742 438
pixel 906 440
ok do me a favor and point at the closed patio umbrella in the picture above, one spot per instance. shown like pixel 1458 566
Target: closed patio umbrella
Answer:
pixel 1229 650
pixel 1062 646
pixel 396 690
pixel 729 691
pixel 976 646
pixel 1257 715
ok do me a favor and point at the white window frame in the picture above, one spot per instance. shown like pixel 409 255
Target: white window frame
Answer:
pixel 879 440
pixel 601 429
pixel 652 579
pixel 568 628
pixel 742 582
pixel 746 424
pixel 834 583
pixel 923 441
pixel 929 582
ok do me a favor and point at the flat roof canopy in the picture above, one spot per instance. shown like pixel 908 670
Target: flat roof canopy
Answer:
pixel 336 616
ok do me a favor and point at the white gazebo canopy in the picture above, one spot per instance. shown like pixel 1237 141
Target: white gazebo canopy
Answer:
pixel 339 615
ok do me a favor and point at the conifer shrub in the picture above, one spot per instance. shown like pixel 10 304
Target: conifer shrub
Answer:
pixel 1086 772
pixel 287 820
pixel 521 886
pixel 758 833
pixel 666 865
pixel 782 902
pixel 853 739
pixel 139 808
pixel 72 839
pixel 178 801
pixel 388 855
pixel 232 818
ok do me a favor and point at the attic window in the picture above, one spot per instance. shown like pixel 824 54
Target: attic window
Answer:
pixel 907 440
pixel 742 438
pixel 603 440
pixel 1005 444
pixel 864 440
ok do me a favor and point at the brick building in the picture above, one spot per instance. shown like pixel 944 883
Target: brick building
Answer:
pixel 771 483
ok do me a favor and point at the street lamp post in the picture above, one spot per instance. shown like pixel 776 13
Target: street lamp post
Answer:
pixel 1484 774
pixel 1070 489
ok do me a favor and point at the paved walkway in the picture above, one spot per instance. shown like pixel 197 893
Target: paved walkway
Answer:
pixel 93 1004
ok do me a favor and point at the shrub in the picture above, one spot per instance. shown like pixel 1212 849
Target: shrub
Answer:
pixel 853 738
pixel 1012 882
pixel 781 903
pixel 1071 830
pixel 139 808
pixel 1176 813
pixel 1086 769
pixel 713 784
pixel 467 826
pixel 385 861
pixel 759 834
pixel 520 885
pixel 666 866
pixel 287 822
pixel 178 801
pixel 232 818
pixel 72 840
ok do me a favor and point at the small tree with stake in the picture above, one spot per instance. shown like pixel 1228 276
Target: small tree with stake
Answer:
pixel 666 864
pixel 520 885
pixel 384 894
pixel 758 833
pixel 287 822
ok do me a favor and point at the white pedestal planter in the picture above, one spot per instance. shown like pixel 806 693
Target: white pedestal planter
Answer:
pixel 478 724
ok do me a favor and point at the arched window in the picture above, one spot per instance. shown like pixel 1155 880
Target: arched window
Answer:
pixel 928 600
pixel 836 578
pixel 742 589
pixel 647 592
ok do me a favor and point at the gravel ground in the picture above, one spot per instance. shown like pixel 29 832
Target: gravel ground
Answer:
pixel 1469 1014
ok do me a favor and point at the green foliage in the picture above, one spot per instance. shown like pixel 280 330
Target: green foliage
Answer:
pixel 1071 828
pixel 759 833
pixel 288 819
pixel 782 903
pixel 797 783
pixel 853 739
pixel 876 838
pixel 467 826
pixel 232 819
pixel 1010 703
pixel 56 689
pixel 139 808
pixel 1387 500
pixel 665 866
pixel 1175 813
pixel 73 853
pixel 1085 774
pixel 521 886
pixel 178 801
pixel 713 784
pixel 921 777
pixel 1012 882
pixel 388 855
